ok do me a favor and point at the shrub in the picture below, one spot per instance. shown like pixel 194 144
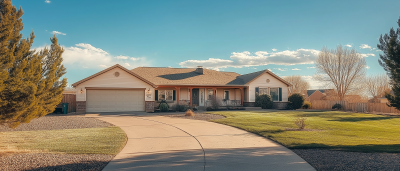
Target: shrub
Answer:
pixel 296 100
pixel 300 122
pixel 215 103
pixel 337 106
pixel 164 107
pixel 289 106
pixel 181 107
pixel 189 113
pixel 209 108
pixel 264 101
pixel 306 105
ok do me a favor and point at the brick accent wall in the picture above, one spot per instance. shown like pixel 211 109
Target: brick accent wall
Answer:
pixel 249 104
pixel 280 105
pixel 149 106
pixel 80 107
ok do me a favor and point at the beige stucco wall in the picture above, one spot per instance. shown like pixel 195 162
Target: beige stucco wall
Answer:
pixel 124 80
pixel 262 83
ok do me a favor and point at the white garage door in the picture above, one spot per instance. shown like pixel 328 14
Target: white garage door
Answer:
pixel 114 100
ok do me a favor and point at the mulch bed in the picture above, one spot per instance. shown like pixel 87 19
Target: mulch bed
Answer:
pixel 48 161
pixel 198 116
pixel 351 161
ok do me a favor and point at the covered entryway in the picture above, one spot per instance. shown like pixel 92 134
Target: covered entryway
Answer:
pixel 115 100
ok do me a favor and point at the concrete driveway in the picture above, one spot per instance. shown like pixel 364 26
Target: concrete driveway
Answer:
pixel 164 143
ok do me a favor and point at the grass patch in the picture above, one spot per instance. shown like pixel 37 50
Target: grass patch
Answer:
pixel 106 140
pixel 333 129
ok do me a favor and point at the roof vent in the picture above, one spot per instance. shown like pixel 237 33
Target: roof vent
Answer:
pixel 199 69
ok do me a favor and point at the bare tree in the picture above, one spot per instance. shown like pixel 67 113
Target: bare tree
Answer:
pixel 377 85
pixel 299 85
pixel 343 68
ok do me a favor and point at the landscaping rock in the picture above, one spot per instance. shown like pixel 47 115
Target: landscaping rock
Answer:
pixel 351 161
pixel 57 123
pixel 50 162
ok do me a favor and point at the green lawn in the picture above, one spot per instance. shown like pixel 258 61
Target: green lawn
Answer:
pixel 106 140
pixel 329 129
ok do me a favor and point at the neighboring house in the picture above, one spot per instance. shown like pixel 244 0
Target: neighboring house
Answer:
pixel 119 89
pixel 316 94
pixel 383 99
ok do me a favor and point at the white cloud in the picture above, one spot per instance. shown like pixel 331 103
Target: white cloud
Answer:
pixel 281 69
pixel 122 57
pixel 348 45
pixel 47 1
pixel 364 55
pixel 137 59
pixel 310 67
pixel 247 59
pixel 313 83
pixel 378 50
pixel 296 69
pixel 87 56
pixel 274 49
pixel 367 67
pixel 365 46
pixel 57 33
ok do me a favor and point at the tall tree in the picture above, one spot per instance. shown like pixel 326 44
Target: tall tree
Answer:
pixel 377 85
pixel 390 61
pixel 342 68
pixel 27 81
pixel 299 85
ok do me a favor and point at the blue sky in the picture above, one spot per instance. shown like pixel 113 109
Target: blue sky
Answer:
pixel 239 36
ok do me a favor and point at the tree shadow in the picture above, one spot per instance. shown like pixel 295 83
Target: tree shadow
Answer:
pixel 365 148
pixel 359 119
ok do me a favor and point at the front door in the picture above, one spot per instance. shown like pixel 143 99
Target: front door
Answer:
pixel 195 97
pixel 201 97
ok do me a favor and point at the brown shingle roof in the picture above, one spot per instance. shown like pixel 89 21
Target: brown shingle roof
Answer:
pixel 186 76
pixel 189 76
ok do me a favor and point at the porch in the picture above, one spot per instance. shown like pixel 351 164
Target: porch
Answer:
pixel 201 95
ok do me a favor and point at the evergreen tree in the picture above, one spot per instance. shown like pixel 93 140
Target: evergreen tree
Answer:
pixel 390 61
pixel 29 84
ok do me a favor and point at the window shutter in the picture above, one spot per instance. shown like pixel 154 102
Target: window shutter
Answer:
pixel 280 94
pixel 174 95
pixel 156 94
pixel 257 91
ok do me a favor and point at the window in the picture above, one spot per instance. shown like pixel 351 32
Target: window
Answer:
pixel 165 94
pixel 226 94
pixel 210 94
pixel 262 91
pixel 274 93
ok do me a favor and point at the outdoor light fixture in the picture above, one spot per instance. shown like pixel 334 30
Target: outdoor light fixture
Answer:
pixel 81 91
pixel 148 93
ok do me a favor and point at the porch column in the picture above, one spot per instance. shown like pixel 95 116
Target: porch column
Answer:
pixel 190 88
pixel 178 89
pixel 241 95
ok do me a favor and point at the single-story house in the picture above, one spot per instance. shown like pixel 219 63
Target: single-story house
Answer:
pixel 117 89
pixel 318 94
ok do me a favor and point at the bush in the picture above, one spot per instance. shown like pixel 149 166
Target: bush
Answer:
pixel 296 100
pixel 189 113
pixel 164 107
pixel 209 108
pixel 215 102
pixel 264 101
pixel 181 108
pixel 300 122
pixel 306 105
pixel 337 106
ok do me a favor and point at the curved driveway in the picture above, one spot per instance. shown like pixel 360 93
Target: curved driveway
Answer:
pixel 164 143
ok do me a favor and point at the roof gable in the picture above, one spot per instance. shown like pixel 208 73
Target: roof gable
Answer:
pixel 247 78
pixel 109 69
